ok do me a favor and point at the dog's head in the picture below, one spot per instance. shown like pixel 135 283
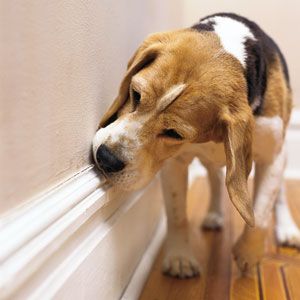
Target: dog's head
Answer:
pixel 180 87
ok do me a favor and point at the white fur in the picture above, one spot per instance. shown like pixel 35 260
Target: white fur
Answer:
pixel 267 138
pixel 123 129
pixel 268 178
pixel 287 232
pixel 214 216
pixel 232 35
pixel 170 96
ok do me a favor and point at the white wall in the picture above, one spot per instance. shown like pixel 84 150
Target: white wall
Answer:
pixel 278 18
pixel 61 63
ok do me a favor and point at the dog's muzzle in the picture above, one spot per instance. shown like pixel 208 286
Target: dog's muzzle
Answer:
pixel 108 161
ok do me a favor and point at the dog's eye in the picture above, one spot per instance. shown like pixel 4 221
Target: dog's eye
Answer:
pixel 136 97
pixel 171 133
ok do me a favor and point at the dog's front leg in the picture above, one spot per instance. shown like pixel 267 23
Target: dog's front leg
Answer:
pixel 249 248
pixel 214 217
pixel 179 260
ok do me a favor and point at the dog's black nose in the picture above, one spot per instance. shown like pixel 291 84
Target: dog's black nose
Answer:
pixel 108 161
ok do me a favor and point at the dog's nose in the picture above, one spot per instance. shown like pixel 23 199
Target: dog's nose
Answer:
pixel 108 161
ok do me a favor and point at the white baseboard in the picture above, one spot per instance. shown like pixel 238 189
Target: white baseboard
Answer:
pixel 295 119
pixel 76 242
pixel 142 271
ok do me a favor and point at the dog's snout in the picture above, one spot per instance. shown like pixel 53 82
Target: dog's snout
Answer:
pixel 108 161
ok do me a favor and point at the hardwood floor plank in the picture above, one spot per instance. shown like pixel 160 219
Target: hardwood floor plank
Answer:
pixel 219 266
pixel 271 279
pixel 186 289
pixel 243 288
pixel 292 276
pixel 157 286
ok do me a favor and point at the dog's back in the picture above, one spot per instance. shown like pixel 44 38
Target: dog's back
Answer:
pixel 266 71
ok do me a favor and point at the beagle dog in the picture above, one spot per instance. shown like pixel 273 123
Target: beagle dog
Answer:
pixel 218 91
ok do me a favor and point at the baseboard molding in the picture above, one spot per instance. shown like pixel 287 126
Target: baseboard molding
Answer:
pixel 136 284
pixel 295 119
pixel 46 244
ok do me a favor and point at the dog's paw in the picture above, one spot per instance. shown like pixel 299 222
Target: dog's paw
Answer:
pixel 213 221
pixel 181 265
pixel 288 235
pixel 248 250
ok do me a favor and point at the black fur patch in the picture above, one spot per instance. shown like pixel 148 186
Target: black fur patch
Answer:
pixel 204 27
pixel 260 56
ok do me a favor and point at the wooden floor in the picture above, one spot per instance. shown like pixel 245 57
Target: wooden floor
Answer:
pixel 277 277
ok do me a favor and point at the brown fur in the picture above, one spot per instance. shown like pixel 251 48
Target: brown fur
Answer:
pixel 278 98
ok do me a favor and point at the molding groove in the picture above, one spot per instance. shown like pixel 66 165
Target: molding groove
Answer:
pixel 33 233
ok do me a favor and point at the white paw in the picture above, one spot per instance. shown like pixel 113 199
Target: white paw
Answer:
pixel 180 264
pixel 288 235
pixel 213 221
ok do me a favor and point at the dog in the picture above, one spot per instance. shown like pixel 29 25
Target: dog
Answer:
pixel 218 91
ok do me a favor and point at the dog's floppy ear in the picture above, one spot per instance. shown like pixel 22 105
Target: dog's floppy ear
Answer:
pixel 237 138
pixel 142 57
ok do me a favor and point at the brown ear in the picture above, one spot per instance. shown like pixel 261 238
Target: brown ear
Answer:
pixel 237 138
pixel 140 59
